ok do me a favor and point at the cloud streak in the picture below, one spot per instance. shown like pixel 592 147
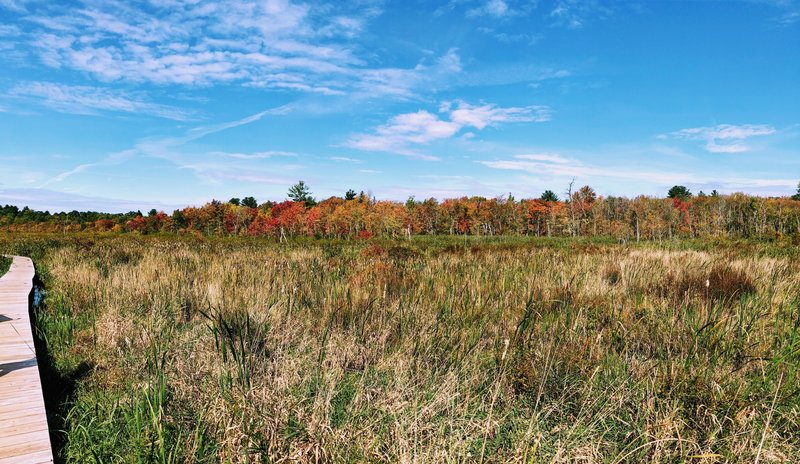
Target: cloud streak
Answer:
pixel 555 165
pixel 93 100
pixel 404 134
pixel 165 148
pixel 724 138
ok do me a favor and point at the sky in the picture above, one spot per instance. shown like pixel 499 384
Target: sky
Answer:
pixel 117 106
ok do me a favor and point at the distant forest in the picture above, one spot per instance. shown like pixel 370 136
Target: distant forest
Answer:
pixel 580 213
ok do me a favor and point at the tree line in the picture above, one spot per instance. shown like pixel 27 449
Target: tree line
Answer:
pixel 580 213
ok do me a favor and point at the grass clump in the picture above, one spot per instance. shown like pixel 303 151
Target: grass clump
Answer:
pixel 5 264
pixel 719 283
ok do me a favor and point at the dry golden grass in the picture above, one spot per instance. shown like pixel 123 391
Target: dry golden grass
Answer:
pixel 248 352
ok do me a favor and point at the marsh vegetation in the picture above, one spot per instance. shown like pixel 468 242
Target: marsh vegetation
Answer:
pixel 428 350
pixel 5 263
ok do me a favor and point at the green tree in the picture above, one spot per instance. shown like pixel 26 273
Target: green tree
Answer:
pixel 679 191
pixel 796 196
pixel 549 196
pixel 178 220
pixel 250 202
pixel 152 212
pixel 350 195
pixel 235 201
pixel 301 192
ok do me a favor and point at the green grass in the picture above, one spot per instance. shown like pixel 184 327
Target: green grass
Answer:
pixel 5 264
pixel 438 349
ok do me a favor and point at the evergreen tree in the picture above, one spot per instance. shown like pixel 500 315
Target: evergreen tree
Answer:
pixel 301 193
pixel 549 196
pixel 250 202
pixel 679 191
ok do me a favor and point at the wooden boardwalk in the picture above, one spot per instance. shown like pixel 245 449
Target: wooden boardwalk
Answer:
pixel 24 437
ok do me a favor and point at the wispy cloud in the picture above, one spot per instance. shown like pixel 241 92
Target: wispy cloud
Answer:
pixel 788 11
pixel 553 165
pixel 723 138
pixel 93 100
pixel 544 158
pixel 345 159
pixel 273 44
pixel 166 148
pixel 405 133
pixel 497 8
pixel 508 37
pixel 18 6
pixel 110 160
pixel 54 201
pixel 490 9
pixel 254 156
pixel 574 14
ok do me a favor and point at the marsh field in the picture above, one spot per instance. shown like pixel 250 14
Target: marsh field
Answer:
pixel 434 349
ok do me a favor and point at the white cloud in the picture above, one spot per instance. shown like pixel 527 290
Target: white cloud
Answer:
pixel 492 9
pixel 55 201
pixel 544 157
pixel 404 133
pixel 345 159
pixel 559 166
pixel 9 30
pixel 18 6
pixel 274 44
pixel 254 156
pixel 496 8
pixel 91 100
pixel 724 138
pixel 554 165
pixel 484 115
pixel 574 14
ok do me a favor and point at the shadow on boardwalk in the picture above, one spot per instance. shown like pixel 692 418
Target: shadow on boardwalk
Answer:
pixel 10 367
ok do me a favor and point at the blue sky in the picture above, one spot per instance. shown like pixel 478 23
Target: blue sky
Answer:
pixel 124 105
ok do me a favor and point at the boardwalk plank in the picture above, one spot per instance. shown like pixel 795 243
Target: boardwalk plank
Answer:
pixel 24 436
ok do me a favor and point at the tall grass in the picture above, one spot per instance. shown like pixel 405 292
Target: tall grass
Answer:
pixel 5 264
pixel 433 350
